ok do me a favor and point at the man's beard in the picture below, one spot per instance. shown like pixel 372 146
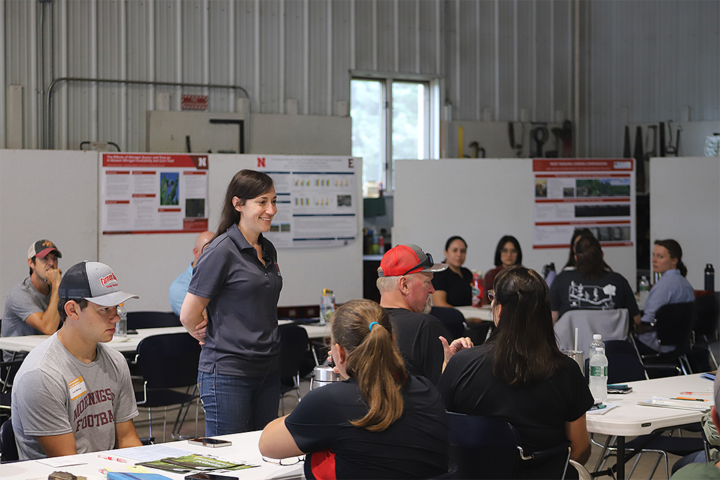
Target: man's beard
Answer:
pixel 428 304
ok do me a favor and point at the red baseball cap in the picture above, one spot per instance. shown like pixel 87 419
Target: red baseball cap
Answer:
pixel 41 248
pixel 406 259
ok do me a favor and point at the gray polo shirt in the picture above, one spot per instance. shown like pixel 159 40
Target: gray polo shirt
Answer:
pixel 242 335
pixel 22 301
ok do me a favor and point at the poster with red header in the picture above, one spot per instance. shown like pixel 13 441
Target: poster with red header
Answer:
pixel 598 194
pixel 153 193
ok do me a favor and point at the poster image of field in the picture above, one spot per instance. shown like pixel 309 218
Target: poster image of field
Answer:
pixel 169 188
pixel 603 187
pixel 541 188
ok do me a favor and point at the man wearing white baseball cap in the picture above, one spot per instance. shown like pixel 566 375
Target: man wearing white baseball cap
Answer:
pixel 73 394
pixel 31 306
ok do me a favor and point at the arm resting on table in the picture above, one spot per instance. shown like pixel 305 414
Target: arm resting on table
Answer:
pixel 579 441
pixel 440 299
pixel 58 445
pixel 276 441
pixel 126 436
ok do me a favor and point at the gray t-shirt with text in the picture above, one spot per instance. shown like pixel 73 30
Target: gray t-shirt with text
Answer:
pixel 55 393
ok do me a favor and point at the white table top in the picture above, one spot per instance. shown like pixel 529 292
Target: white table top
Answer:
pixel 483 313
pixel 244 448
pixel 129 344
pixel 631 419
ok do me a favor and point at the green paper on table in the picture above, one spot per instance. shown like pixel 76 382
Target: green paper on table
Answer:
pixel 194 463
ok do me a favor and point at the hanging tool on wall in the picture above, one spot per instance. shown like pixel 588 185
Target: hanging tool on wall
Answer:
pixel 626 143
pixel 477 149
pixel 661 137
pixel 639 161
pixel 557 133
pixel 540 136
pixel 567 138
pixel 670 148
pixel 518 147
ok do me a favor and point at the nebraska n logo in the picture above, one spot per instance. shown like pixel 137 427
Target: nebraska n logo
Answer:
pixel 261 162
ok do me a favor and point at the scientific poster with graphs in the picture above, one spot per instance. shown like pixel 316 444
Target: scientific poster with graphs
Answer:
pixel 153 193
pixel 584 193
pixel 317 200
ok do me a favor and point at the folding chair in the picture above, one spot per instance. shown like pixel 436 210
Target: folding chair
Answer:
pixel 293 347
pixel 674 324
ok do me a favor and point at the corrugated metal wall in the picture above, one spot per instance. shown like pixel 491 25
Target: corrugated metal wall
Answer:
pixel 653 58
pixel 496 56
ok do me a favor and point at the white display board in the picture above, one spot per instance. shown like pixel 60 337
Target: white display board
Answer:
pixel 49 195
pixel 480 200
pixel 685 206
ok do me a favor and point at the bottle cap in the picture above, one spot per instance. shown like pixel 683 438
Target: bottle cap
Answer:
pixel 327 291
pixel 597 336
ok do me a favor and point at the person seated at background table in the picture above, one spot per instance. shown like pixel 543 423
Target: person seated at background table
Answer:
pixel 31 307
pixel 179 286
pixel 507 254
pixel 577 233
pixel 672 287
pixel 453 287
pixel 590 286
pixel 377 423
pixel 519 374
pixel 405 284
pixel 699 469
pixel 73 394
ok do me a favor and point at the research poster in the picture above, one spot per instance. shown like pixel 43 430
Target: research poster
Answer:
pixel 317 200
pixel 583 193
pixel 154 193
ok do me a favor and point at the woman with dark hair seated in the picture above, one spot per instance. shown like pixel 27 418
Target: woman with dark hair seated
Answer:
pixel 590 286
pixel 453 287
pixel 577 233
pixel 507 254
pixel 520 375
pixel 672 287
pixel 378 423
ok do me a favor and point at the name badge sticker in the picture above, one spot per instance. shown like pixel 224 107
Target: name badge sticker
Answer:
pixel 77 388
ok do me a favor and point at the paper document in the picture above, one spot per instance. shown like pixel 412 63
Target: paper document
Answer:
pixel 603 410
pixel 681 404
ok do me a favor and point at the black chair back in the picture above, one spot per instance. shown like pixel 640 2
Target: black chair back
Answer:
pixel 624 365
pixel 707 312
pixel 138 320
pixel 674 323
pixel 293 348
pixel 169 360
pixel 8 447
pixel 453 320
pixel 482 447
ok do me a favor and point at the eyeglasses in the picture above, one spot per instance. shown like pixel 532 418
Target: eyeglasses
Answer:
pixel 508 250
pixel 427 263
pixel 284 462
pixel 491 295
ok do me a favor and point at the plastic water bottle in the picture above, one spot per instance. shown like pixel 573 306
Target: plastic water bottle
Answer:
pixel 644 289
pixel 596 342
pixel 121 327
pixel 598 375
pixel 710 277
pixel 477 289
pixel 327 305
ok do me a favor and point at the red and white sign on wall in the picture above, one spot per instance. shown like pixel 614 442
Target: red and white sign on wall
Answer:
pixel 154 193
pixel 194 102
pixel 598 194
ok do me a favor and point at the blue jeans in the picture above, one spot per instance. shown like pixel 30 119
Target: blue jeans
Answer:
pixel 238 404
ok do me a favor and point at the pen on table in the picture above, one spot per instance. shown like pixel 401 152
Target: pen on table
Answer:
pixel 689 398
pixel 696 393
pixel 114 459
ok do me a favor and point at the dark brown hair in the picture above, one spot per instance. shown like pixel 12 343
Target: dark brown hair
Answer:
pixel 246 185
pixel 675 251
pixel 501 245
pixel 526 350
pixel 589 257
pixel 372 360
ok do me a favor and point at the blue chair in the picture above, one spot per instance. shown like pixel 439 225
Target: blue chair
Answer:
pixel 490 448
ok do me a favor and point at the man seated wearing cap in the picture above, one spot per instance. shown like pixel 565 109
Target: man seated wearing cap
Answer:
pixel 73 394
pixel 31 307
pixel 405 284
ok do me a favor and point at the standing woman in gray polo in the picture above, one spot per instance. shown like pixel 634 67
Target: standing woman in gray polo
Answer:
pixel 237 282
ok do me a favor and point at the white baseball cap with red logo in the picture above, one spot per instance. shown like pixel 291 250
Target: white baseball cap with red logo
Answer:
pixel 95 282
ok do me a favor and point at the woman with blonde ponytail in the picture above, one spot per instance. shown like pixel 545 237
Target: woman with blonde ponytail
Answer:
pixel 378 423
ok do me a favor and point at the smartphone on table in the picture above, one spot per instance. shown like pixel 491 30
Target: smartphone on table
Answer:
pixel 210 442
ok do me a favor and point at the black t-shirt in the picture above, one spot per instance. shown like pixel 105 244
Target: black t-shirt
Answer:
pixel 572 291
pixel 457 288
pixel 417 336
pixel 538 412
pixel 415 446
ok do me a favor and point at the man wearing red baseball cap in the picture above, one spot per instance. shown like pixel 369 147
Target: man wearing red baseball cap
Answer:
pixel 31 307
pixel 405 284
